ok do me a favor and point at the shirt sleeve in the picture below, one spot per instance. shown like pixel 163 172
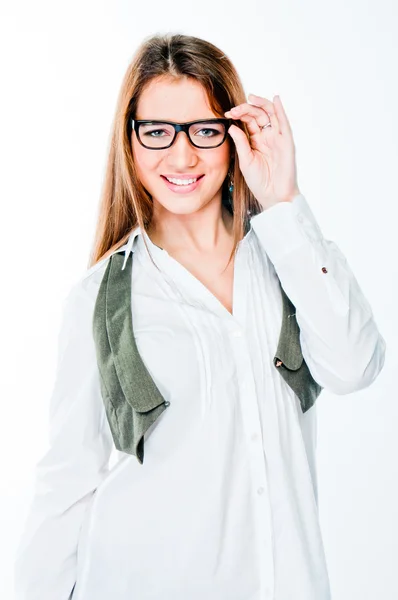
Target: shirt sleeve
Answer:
pixel 339 337
pixel 75 463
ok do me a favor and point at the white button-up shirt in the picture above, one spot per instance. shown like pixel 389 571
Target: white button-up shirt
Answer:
pixel 225 505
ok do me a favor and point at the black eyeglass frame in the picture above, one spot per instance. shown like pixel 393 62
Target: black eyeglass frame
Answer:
pixel 135 123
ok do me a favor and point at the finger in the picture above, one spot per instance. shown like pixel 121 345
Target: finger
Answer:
pixel 244 151
pixel 269 108
pixel 253 127
pixel 284 124
pixel 283 120
pixel 254 116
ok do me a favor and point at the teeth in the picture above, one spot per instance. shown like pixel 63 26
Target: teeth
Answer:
pixel 181 181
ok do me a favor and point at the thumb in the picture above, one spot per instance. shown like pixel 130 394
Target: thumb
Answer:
pixel 242 145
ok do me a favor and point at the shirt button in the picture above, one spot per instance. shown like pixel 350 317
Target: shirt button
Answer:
pixel 254 436
pixel 300 218
pixel 260 490
pixel 167 403
pixel 237 333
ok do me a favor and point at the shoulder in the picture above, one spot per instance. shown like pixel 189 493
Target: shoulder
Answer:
pixel 84 290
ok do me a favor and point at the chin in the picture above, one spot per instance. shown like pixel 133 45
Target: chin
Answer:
pixel 183 206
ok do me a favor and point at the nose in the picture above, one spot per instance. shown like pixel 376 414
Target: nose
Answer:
pixel 182 142
pixel 181 151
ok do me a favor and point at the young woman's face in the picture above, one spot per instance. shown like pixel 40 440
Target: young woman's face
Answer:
pixel 179 102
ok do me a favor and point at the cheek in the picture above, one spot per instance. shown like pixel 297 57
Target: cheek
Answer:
pixel 145 162
pixel 216 158
pixel 220 161
pixel 224 156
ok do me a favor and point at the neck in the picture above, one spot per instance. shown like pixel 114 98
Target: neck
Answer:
pixel 202 232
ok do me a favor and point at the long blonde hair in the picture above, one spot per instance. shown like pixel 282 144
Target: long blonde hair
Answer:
pixel 124 201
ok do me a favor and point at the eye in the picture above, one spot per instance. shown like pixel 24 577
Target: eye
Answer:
pixel 149 133
pixel 211 134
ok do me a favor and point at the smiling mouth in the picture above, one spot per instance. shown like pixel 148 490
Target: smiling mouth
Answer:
pixel 183 181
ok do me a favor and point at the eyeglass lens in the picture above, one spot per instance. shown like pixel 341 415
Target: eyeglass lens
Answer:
pixel 202 134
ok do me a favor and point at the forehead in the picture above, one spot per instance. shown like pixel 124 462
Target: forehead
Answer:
pixel 174 100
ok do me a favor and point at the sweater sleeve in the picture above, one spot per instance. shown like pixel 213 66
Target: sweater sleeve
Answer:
pixel 339 337
pixel 73 466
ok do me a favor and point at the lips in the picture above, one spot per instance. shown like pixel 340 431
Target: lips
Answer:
pixel 182 178
pixel 182 188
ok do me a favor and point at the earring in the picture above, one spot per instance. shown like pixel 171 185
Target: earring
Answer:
pixel 231 187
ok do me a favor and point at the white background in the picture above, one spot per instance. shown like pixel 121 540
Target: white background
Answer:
pixel 335 67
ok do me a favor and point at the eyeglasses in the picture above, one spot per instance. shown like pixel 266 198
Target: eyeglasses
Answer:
pixel 158 135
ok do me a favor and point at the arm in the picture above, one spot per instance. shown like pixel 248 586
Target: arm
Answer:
pixel 339 338
pixel 73 466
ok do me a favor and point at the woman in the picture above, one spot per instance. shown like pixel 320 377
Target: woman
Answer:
pixel 213 233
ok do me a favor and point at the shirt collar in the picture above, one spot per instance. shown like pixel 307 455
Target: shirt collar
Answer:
pixel 130 246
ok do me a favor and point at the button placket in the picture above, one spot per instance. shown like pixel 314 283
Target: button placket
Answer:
pixel 251 422
pixel 237 333
pixel 268 593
